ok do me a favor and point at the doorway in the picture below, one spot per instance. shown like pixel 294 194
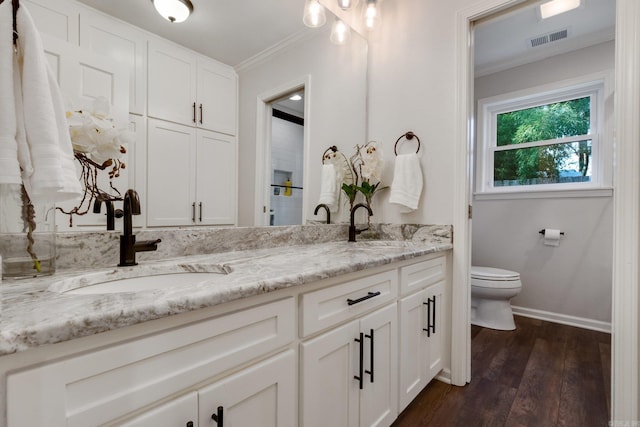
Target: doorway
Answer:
pixel 286 164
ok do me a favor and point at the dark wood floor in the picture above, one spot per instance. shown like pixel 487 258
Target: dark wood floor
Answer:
pixel 540 375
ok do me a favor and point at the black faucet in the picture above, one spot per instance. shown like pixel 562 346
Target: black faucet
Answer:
pixel 112 213
pixel 128 244
pixel 322 205
pixel 352 227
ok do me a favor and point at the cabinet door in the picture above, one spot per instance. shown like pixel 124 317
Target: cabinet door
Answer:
pixel 435 338
pixel 378 397
pixel 216 179
pixel 262 395
pixel 330 393
pixel 57 18
pixel 180 412
pixel 217 97
pixel 171 83
pixel 413 347
pixel 121 43
pixel 171 162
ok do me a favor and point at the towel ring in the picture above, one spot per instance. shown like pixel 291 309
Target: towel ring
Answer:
pixel 409 135
pixel 332 148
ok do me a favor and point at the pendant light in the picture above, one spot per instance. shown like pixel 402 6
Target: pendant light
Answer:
pixel 173 10
pixel 371 15
pixel 347 4
pixel 340 32
pixel 314 15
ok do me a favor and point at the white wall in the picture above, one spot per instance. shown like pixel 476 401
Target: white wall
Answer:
pixel 573 279
pixel 337 116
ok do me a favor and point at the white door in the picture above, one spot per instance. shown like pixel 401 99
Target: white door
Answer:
pixel 217 97
pixel 216 182
pixel 172 83
pixel 56 18
pixel 171 163
pixel 262 395
pixel 180 412
pixel 413 347
pixel 330 393
pixel 82 77
pixel 378 397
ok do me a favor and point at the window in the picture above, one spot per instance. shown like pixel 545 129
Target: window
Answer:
pixel 542 140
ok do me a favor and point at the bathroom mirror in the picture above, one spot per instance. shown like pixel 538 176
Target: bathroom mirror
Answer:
pixel 268 45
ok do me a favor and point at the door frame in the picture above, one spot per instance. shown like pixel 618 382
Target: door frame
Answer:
pixel 626 234
pixel 263 146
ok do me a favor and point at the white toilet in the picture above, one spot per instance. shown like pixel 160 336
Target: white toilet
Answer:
pixel 491 292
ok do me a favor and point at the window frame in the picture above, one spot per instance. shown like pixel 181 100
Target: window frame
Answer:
pixel 595 86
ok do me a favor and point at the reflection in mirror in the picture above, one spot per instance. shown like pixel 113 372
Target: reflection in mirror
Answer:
pixel 270 50
pixel 286 159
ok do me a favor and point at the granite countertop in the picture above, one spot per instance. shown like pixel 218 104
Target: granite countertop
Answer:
pixel 37 311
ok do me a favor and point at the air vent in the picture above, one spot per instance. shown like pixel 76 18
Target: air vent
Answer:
pixel 548 38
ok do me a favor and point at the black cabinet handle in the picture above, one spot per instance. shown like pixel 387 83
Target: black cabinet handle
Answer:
pixel 200 113
pixel 431 316
pixel 194 112
pixel 371 350
pixel 193 212
pixel 364 298
pixel 219 416
pixel 360 378
pixel 189 424
pixel 200 211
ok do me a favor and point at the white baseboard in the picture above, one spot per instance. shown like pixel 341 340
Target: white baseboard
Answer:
pixel 580 322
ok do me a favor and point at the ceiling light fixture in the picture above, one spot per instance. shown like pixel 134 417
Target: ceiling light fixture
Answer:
pixel 556 7
pixel 314 15
pixel 295 97
pixel 347 4
pixel 372 15
pixel 173 10
pixel 340 32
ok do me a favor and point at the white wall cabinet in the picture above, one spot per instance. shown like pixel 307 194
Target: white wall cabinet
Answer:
pixel 56 18
pixel 191 90
pixel 120 43
pixel 191 176
pixel 421 328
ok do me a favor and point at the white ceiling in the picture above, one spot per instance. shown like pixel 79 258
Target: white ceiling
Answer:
pixel 230 31
pixel 502 42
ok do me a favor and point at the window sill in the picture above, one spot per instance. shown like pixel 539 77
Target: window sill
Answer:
pixel 545 194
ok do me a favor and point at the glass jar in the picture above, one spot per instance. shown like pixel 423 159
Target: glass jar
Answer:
pixel 27 234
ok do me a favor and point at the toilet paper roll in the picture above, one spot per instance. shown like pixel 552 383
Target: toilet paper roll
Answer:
pixel 551 237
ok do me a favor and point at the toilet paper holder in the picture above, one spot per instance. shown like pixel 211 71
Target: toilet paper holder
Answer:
pixel 543 230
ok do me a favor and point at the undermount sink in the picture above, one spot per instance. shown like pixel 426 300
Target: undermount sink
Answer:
pixel 139 279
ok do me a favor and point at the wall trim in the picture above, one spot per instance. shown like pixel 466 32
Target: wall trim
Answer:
pixel 444 376
pixel 564 319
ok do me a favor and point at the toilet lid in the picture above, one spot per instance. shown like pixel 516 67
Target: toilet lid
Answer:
pixel 489 273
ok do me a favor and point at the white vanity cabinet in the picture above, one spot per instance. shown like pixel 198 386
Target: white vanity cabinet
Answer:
pixel 190 89
pixel 106 385
pixel 422 331
pixel 261 395
pixel 192 176
pixel 349 373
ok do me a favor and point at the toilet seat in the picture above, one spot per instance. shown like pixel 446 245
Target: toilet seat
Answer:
pixel 494 278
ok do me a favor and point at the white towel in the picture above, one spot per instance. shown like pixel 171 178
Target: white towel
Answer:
pixel 407 181
pixel 9 166
pixel 53 176
pixel 329 191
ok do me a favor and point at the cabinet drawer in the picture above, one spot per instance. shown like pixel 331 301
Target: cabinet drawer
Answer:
pixel 326 307
pixel 100 386
pixel 422 274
